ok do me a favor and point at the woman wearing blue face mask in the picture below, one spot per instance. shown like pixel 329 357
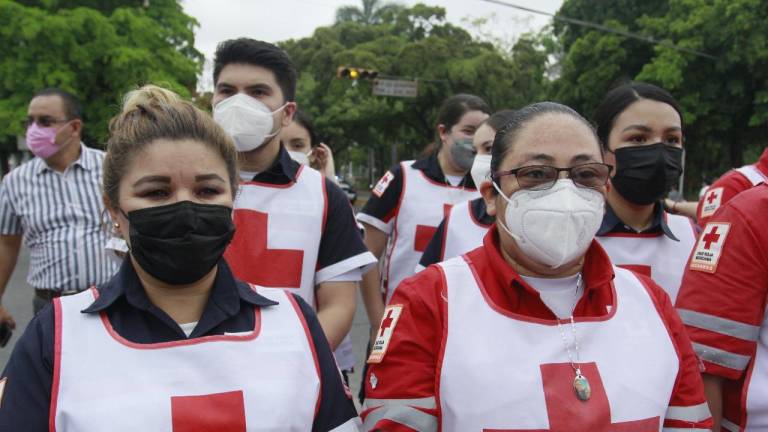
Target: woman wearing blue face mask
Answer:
pixel 535 330
pixel 464 227
pixel 411 199
pixel 641 130
pixel 173 341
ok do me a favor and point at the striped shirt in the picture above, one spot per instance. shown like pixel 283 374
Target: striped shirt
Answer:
pixel 60 216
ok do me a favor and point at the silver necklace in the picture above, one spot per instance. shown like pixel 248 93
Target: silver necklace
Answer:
pixel 580 382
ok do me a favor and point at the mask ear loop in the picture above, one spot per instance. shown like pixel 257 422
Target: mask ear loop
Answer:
pixel 272 135
pixel 501 221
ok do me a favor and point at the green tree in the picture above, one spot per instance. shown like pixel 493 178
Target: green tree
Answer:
pixel 417 43
pixel 593 61
pixel 372 12
pixel 725 100
pixel 97 54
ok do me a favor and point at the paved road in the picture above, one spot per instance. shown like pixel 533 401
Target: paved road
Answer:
pixel 18 300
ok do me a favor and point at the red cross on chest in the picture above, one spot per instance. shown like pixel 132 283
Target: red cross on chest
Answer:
pixel 252 261
pixel 221 412
pixel 711 237
pixel 566 413
pixel 424 233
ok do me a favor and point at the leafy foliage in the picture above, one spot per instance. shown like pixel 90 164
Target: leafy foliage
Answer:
pixel 97 52
pixel 415 43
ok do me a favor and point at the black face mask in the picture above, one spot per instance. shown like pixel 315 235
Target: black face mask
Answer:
pixel 645 173
pixel 181 242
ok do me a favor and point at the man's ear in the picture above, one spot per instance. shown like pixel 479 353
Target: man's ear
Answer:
pixel 77 127
pixel 288 112
pixel 489 196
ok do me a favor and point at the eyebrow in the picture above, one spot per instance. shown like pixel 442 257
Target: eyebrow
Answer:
pixel 540 156
pixel 206 177
pixel 584 157
pixel 647 129
pixel 152 179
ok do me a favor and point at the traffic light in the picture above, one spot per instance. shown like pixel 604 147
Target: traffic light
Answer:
pixel 355 73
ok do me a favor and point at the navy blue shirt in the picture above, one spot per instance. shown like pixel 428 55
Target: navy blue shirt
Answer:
pixel 29 372
pixel 612 224
pixel 385 206
pixel 433 254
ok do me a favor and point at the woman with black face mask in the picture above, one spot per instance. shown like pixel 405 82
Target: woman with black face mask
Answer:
pixel 173 341
pixel 641 130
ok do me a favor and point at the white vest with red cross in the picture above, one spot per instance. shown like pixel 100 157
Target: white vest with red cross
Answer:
pixel 753 174
pixel 508 372
pixel 266 379
pixel 278 233
pixel 654 255
pixel 423 204
pixel 463 232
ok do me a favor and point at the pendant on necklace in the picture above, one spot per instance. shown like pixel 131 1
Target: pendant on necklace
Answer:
pixel 581 385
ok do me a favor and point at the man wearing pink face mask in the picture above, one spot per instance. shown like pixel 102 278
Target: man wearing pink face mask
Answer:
pixel 54 203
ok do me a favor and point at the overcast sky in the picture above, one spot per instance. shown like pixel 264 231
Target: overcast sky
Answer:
pixel 278 20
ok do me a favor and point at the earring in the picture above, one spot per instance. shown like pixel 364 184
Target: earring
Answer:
pixel 116 225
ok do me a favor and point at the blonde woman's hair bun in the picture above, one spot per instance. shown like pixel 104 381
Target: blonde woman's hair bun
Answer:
pixel 149 95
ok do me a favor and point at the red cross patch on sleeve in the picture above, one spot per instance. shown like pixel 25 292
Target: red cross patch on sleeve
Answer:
pixel 386 328
pixel 712 200
pixel 709 247
pixel 383 184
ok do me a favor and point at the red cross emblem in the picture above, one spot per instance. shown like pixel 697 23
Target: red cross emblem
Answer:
pixel 424 233
pixel 221 412
pixel 253 262
pixel 386 322
pixel 712 197
pixel 711 237
pixel 566 413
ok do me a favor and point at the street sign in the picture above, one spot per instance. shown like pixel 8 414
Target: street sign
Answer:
pixel 396 88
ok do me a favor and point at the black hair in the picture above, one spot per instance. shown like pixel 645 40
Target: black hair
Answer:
pixel 502 142
pixel 618 99
pixel 304 120
pixel 499 119
pixel 456 106
pixel 70 102
pixel 257 53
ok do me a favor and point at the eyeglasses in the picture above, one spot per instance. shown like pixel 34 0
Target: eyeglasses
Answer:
pixel 542 177
pixel 42 121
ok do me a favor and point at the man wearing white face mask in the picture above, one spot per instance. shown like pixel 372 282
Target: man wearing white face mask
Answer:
pixel 54 203
pixel 464 227
pixel 536 329
pixel 295 228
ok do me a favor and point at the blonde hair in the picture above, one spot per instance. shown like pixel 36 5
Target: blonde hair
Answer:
pixel 152 113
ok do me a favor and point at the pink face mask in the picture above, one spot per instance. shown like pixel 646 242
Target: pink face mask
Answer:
pixel 42 141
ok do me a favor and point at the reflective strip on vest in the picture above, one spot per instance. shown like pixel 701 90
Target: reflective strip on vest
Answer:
pixel 693 414
pixel 754 175
pixel 716 324
pixel 721 357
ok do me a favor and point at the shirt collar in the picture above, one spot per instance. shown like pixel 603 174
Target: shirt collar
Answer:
pixel 613 224
pixel 282 171
pixel 430 166
pixel 597 275
pixel 225 294
pixel 86 160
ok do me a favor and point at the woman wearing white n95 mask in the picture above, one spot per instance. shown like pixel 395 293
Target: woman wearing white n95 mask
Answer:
pixel 536 329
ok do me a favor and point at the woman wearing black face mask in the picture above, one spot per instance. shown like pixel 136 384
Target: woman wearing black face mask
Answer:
pixel 173 341
pixel 640 127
